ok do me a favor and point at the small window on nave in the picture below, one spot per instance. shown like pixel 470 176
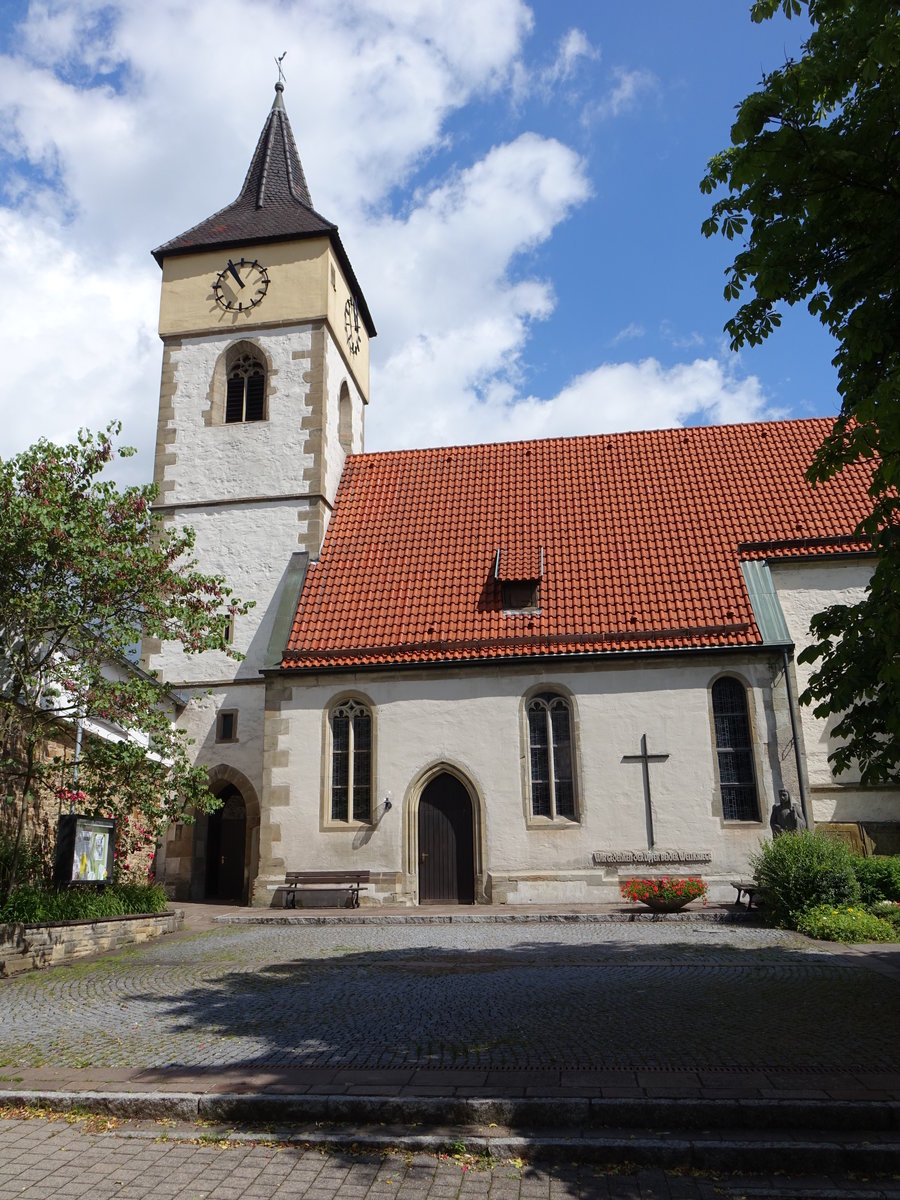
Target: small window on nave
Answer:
pixel 245 398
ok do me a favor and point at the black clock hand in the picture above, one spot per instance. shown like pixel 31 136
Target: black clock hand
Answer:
pixel 234 271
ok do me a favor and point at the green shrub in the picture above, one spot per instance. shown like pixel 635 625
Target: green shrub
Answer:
pixel 799 870
pixel 889 911
pixel 32 905
pixel 847 923
pixel 879 878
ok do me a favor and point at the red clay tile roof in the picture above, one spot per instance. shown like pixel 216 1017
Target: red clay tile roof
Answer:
pixel 642 536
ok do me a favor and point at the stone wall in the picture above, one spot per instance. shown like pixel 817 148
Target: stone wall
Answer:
pixel 31 947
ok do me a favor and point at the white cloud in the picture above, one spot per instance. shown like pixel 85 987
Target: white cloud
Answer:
pixel 609 399
pixel 81 351
pixel 456 319
pixel 629 333
pixel 627 89
pixel 128 122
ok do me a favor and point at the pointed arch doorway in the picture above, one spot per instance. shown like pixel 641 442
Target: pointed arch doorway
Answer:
pixel 446 842
pixel 226 839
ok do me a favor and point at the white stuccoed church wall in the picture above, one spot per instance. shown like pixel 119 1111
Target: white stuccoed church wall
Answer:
pixel 803 590
pixel 474 721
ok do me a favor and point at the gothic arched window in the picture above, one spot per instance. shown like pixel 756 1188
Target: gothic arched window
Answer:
pixel 734 749
pixel 351 762
pixel 551 756
pixel 245 398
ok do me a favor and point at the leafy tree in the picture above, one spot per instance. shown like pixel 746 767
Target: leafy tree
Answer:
pixel 813 194
pixel 86 570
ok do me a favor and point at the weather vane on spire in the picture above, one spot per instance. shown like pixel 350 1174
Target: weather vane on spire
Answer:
pixel 278 62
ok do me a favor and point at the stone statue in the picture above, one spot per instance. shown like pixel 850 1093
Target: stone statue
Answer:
pixel 786 816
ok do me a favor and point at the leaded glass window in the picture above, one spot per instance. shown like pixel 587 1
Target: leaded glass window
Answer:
pixel 734 748
pixel 245 398
pixel 550 756
pixel 351 762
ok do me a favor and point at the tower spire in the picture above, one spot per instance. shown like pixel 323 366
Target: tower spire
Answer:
pixel 274 201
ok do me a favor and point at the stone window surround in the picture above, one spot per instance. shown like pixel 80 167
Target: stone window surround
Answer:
pixel 553 822
pixel 327 823
pixel 220 723
pixel 717 806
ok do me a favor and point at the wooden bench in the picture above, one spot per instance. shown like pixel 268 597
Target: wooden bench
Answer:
pixel 746 887
pixel 351 880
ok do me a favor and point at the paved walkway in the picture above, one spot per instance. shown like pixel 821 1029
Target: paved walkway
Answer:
pixel 40 1159
pixel 606 1010
pixel 552 1020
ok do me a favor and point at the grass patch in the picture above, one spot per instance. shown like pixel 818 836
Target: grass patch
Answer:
pixel 32 905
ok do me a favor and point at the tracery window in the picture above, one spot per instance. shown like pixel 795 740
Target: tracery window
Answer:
pixel 245 398
pixel 734 748
pixel 351 762
pixel 551 759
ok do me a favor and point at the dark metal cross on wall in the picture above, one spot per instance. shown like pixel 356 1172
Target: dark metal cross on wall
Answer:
pixel 645 760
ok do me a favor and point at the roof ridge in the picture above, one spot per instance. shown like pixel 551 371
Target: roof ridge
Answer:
pixel 426 451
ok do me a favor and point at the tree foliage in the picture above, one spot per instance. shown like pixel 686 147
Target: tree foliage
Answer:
pixel 813 196
pixel 86 570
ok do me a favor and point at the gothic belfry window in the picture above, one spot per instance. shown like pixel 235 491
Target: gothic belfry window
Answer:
pixel 245 398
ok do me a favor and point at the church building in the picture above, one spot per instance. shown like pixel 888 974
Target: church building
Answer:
pixel 491 674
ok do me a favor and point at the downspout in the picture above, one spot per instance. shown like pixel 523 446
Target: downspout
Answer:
pixel 798 757
pixel 78 735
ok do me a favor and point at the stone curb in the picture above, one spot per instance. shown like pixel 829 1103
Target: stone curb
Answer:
pixel 719 916
pixel 756 1117
pixel 727 1150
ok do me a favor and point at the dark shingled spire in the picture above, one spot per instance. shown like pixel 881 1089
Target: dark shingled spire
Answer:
pixel 276 172
pixel 274 205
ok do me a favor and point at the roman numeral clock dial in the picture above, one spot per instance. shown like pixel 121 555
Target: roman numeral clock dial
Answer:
pixel 240 286
pixel 351 325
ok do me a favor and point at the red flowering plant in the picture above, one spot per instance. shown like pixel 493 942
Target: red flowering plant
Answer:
pixel 135 849
pixel 664 890
pixel 76 800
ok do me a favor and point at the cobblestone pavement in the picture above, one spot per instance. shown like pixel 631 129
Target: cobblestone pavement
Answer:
pixel 41 1158
pixel 498 997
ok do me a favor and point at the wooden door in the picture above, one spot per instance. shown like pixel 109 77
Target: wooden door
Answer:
pixel 225 847
pixel 446 843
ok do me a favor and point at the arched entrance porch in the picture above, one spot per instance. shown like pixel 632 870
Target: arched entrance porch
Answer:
pixel 226 842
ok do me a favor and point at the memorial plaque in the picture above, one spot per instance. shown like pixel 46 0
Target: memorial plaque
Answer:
pixel 650 858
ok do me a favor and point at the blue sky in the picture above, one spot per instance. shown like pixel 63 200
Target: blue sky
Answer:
pixel 516 185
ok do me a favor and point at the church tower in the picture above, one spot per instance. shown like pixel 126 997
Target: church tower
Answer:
pixel 265 379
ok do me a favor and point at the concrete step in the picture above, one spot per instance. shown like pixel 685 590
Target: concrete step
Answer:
pixel 801 1137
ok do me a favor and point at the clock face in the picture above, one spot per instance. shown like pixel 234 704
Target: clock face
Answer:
pixel 351 324
pixel 241 285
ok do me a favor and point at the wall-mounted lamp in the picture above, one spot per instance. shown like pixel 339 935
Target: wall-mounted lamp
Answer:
pixel 387 801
